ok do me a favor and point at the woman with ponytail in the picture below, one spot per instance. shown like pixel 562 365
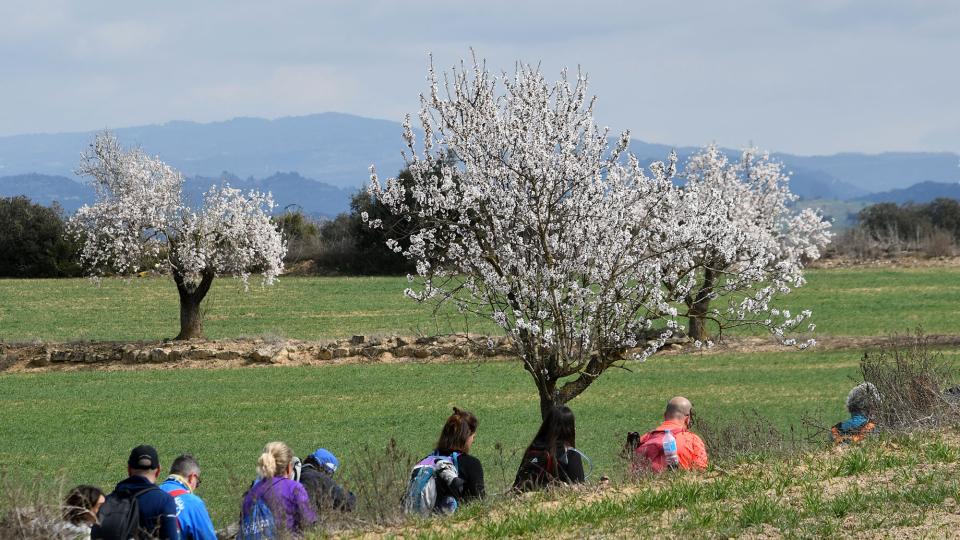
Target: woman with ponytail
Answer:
pixel 457 436
pixel 285 498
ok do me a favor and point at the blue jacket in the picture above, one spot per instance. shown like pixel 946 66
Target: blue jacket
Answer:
pixel 195 522
pixel 158 511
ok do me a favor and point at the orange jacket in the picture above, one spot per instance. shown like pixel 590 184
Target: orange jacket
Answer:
pixel 690 447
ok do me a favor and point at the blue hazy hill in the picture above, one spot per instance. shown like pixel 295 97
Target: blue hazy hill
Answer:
pixel 334 148
pixel 288 189
pixel 331 152
pixel 920 193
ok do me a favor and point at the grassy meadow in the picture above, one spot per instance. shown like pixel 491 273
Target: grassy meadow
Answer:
pixel 895 487
pixel 845 302
pixel 77 427
pixel 80 425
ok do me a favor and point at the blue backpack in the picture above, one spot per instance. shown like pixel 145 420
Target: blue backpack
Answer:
pixel 421 496
pixel 259 523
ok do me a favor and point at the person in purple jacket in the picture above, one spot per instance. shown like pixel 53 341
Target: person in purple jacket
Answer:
pixel 286 498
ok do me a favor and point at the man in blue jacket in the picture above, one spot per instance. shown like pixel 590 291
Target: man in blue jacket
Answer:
pixel 158 511
pixel 195 523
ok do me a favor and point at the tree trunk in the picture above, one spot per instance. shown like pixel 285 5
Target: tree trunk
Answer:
pixel 698 306
pixel 191 321
pixel 551 396
pixel 697 326
pixel 548 400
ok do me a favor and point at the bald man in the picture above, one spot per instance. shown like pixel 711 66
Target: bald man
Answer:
pixel 690 447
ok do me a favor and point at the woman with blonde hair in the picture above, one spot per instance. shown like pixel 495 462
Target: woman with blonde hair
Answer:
pixel 275 501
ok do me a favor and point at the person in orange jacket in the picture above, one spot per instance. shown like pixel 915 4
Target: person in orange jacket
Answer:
pixel 691 451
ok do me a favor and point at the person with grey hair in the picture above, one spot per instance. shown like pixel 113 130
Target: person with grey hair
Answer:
pixel 184 479
pixel 862 401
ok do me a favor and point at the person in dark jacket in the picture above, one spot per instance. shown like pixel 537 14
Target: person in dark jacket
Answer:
pixel 316 475
pixel 158 510
pixel 552 455
pixel 457 435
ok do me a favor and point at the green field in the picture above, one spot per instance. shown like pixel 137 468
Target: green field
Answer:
pixel 845 302
pixel 81 424
pixel 75 427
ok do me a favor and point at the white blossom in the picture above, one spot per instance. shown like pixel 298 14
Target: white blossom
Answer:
pixel 140 215
pixel 752 247
pixel 541 226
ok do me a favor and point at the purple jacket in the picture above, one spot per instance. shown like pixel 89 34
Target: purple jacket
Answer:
pixel 287 500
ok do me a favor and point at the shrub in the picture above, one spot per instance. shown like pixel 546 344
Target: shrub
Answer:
pixel 915 383
pixel 29 510
pixel 939 243
pixel 32 241
pixel 751 435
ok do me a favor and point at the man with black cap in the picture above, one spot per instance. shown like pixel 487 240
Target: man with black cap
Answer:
pixel 157 509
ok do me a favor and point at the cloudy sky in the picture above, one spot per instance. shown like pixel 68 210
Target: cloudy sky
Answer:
pixel 806 77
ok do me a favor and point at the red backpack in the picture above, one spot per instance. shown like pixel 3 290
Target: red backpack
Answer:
pixel 649 453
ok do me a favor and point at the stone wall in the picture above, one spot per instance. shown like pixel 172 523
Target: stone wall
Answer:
pixel 256 351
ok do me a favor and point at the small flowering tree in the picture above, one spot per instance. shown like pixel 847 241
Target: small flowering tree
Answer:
pixel 540 225
pixel 753 246
pixel 140 216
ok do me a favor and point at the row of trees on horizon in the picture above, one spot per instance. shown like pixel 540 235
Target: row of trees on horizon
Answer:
pixel 34 244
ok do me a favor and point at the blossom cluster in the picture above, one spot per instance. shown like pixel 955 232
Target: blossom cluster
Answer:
pixel 140 216
pixel 753 247
pixel 563 239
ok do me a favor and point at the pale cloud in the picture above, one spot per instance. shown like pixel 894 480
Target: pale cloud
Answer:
pixel 809 77
pixel 289 89
pixel 120 40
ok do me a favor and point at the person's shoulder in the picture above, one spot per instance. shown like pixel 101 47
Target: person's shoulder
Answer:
pixel 287 485
pixel 467 458
pixel 169 485
pixel 192 499
pixel 310 474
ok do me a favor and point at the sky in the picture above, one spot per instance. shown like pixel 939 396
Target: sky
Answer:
pixel 808 77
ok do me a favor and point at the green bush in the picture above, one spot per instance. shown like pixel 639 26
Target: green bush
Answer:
pixel 33 241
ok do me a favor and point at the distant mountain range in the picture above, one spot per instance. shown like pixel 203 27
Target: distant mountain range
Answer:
pixel 331 153
pixel 922 192
pixel 289 190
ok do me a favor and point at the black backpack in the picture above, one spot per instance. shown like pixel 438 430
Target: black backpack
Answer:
pixel 119 517
pixel 537 469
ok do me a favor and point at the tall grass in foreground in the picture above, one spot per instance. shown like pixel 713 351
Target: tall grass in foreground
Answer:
pixel 896 485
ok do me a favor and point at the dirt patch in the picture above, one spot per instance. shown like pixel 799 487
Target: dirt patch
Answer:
pixel 216 354
pixel 829 343
pixel 200 354
pixel 897 262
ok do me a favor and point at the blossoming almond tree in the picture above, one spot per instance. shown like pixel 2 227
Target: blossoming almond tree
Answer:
pixel 140 215
pixel 753 246
pixel 541 226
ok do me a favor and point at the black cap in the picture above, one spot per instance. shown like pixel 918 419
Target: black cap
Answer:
pixel 144 457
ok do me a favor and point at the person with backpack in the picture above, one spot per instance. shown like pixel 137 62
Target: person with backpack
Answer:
pixel 861 403
pixel 449 476
pixel 184 479
pixel 316 475
pixel 138 508
pixel 80 512
pixel 671 445
pixel 552 455
pixel 457 437
pixel 276 504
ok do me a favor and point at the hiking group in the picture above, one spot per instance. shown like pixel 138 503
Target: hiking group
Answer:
pixel 288 494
